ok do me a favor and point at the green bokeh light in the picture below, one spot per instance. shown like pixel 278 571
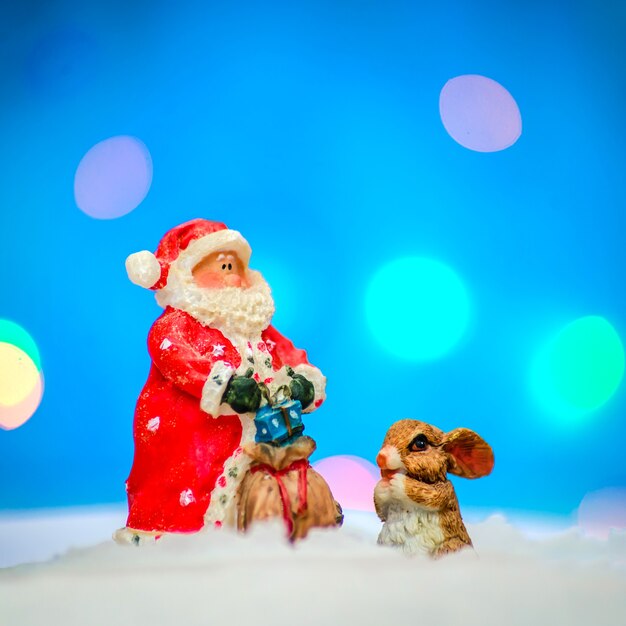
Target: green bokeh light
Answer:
pixel 13 333
pixel 581 368
pixel 417 308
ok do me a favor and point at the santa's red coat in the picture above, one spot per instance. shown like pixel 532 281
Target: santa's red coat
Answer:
pixel 180 450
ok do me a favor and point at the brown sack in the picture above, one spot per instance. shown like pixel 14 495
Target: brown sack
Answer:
pixel 282 484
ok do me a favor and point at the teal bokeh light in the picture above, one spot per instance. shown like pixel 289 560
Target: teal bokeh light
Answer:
pixel 417 308
pixel 13 333
pixel 580 368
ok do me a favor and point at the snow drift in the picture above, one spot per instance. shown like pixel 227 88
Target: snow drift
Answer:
pixel 333 577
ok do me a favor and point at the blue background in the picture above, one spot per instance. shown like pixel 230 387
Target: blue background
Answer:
pixel 314 129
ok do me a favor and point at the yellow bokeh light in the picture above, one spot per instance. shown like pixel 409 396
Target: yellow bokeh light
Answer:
pixel 18 375
pixel 12 417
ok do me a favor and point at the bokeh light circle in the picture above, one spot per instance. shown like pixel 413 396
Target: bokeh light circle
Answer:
pixel 603 510
pixel 417 308
pixel 18 374
pixel 479 113
pixel 21 386
pixel 13 333
pixel 113 177
pixel 581 368
pixel 21 379
pixel 351 479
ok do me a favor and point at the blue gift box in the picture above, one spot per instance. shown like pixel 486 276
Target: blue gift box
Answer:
pixel 279 423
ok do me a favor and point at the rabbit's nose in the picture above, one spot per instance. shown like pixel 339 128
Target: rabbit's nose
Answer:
pixel 389 458
pixel 381 460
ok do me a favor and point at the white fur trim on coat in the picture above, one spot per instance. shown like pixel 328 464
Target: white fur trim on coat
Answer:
pixel 215 386
pixel 314 376
pixel 143 269
pixel 223 506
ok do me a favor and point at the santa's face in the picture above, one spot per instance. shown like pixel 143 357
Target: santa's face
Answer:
pixel 219 291
pixel 221 269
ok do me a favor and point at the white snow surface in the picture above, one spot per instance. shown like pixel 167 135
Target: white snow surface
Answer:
pixel 219 577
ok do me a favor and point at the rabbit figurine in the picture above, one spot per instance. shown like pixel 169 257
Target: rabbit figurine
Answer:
pixel 414 498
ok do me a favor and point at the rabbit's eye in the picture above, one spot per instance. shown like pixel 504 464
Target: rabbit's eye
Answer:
pixel 418 444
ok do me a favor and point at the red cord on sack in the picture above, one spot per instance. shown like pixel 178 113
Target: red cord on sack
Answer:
pixel 301 466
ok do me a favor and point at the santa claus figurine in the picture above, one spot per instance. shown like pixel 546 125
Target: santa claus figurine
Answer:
pixel 210 348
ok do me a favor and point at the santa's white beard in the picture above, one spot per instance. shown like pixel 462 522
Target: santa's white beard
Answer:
pixel 234 311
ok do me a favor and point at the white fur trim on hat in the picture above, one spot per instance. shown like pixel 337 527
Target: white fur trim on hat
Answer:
pixel 215 386
pixel 314 376
pixel 219 241
pixel 143 268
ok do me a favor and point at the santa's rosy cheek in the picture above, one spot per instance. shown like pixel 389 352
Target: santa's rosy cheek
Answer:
pixel 208 280
pixel 232 280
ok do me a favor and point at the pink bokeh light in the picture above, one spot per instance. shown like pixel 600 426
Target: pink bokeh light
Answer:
pixel 113 177
pixel 602 510
pixel 14 416
pixel 479 113
pixel 351 479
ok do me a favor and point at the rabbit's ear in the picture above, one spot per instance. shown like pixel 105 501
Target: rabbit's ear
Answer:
pixel 469 455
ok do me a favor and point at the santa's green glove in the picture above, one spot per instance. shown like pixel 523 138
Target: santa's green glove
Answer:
pixel 243 393
pixel 301 388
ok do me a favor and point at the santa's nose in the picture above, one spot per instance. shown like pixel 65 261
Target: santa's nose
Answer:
pixel 232 280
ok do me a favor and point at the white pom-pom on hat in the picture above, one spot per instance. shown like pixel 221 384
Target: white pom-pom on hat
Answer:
pixel 183 247
pixel 143 269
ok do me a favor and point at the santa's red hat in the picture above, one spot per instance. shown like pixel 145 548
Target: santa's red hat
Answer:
pixel 188 244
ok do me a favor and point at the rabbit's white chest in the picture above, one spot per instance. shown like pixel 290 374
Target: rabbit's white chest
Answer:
pixel 413 528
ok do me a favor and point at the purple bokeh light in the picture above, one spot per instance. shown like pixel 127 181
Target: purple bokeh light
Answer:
pixel 479 113
pixel 602 510
pixel 113 177
pixel 351 479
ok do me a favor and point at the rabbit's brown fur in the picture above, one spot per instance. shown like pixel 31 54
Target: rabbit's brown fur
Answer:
pixel 415 499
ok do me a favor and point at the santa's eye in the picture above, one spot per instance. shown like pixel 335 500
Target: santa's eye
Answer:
pixel 223 266
pixel 418 444
pixel 230 266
